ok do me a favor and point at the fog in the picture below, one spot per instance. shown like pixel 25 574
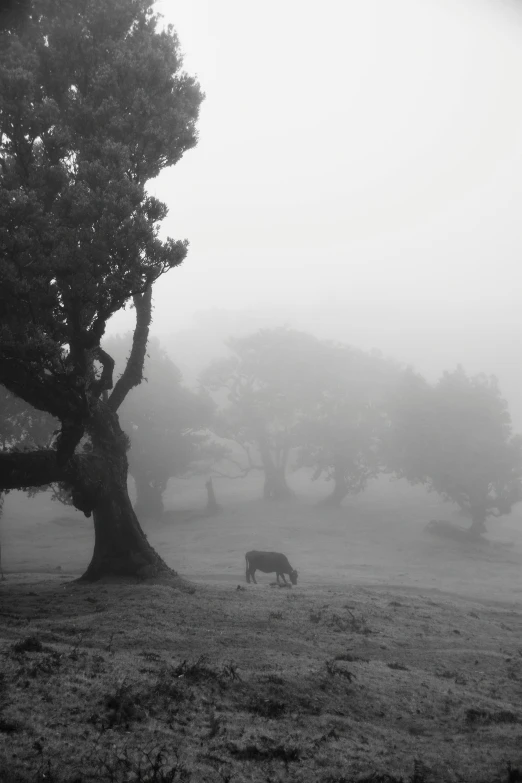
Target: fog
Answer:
pixel 358 175
pixel 358 178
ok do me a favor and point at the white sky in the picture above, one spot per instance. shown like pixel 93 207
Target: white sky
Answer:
pixel 360 156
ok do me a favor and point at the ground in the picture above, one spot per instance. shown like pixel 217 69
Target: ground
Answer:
pixel 396 654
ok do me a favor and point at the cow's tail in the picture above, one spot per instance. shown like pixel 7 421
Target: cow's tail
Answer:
pixel 247 573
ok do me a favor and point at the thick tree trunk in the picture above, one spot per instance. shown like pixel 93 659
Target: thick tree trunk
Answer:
pixel 149 501
pixel 275 487
pixel 121 547
pixel 335 498
pixel 478 525
pixel 340 490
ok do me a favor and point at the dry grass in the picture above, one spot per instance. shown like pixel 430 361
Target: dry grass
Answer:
pixel 102 680
pixel 335 680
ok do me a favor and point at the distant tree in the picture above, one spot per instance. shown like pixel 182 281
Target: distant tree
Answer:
pixel 456 437
pixel 93 104
pixel 342 434
pixel 166 422
pixel 264 389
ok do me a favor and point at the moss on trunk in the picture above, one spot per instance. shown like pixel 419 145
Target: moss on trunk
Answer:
pixel 121 547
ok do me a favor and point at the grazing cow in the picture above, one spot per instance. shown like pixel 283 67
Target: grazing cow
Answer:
pixel 268 562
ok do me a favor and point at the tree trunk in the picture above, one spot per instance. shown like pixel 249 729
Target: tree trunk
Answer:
pixel 479 512
pixel 478 524
pixel 149 500
pixel 340 490
pixel 275 487
pixel 213 506
pixel 335 498
pixel 120 547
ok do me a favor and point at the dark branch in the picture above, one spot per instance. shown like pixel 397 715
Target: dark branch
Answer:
pixel 19 470
pixel 133 373
pixel 83 473
pixel 217 472
pixel 71 433
pixel 244 471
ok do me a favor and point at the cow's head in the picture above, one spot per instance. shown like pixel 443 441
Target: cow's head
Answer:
pixel 293 577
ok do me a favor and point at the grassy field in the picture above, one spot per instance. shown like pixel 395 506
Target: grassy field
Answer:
pixel 397 655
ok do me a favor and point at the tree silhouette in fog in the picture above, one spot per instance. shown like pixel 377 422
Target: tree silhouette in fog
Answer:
pixel 287 395
pixel 341 435
pixel 166 422
pixel 266 387
pixel 456 437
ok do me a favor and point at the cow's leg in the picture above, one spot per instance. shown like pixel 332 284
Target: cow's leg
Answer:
pixel 278 575
pixel 284 580
pixel 253 575
pixel 247 574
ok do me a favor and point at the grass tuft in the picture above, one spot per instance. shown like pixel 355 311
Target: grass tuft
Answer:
pixel 478 715
pixel 29 644
pixel 252 752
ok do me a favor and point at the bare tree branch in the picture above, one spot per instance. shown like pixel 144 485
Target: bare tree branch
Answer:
pixel 226 475
pixel 244 471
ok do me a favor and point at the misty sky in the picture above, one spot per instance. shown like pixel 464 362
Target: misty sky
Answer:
pixel 355 157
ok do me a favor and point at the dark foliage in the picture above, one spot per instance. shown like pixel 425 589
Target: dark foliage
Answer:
pixel 94 103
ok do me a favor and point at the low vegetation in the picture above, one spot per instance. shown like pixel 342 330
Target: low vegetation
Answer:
pixel 109 683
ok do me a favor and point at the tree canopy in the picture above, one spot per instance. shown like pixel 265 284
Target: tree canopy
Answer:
pixel 456 437
pixel 92 106
pixel 284 391
pixel 341 434
pixel 265 387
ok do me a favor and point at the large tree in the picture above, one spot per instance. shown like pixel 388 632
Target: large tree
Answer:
pixel 456 437
pixel 93 104
pixel 166 423
pixel 342 434
pixel 264 388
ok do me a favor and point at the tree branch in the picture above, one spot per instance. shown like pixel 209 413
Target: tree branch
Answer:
pixel 19 470
pixel 225 475
pixel 84 473
pixel 133 373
